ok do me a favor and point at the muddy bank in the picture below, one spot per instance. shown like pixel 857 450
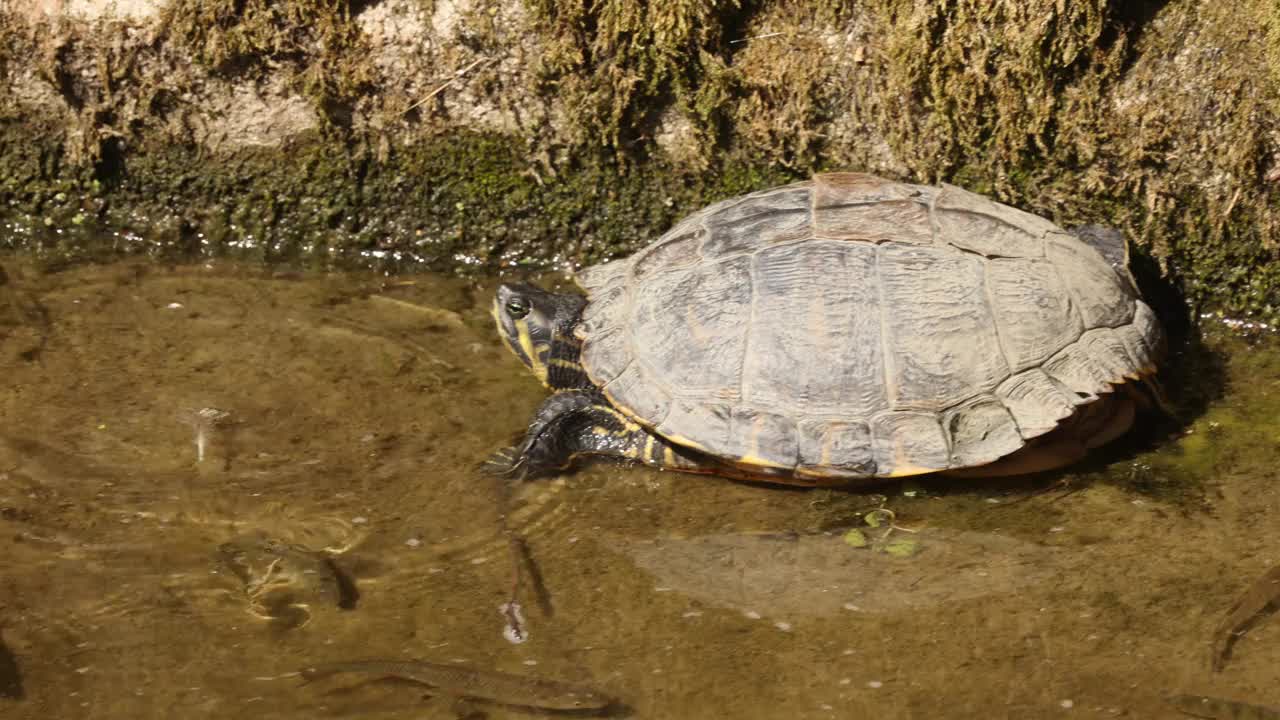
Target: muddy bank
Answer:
pixel 462 134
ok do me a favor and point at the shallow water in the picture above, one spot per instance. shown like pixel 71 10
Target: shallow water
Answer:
pixel 162 562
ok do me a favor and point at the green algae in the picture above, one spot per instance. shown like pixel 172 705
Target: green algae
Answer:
pixel 855 538
pixel 902 548
pixel 465 202
pixel 1229 417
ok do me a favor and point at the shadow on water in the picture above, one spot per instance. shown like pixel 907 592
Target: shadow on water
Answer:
pixel 523 556
pixel 10 674
pixel 1193 374
pixel 348 593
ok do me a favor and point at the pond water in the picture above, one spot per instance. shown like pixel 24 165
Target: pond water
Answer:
pixel 212 476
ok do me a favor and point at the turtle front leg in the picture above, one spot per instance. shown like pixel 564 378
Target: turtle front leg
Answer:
pixel 577 423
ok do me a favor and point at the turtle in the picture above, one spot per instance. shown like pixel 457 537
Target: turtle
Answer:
pixel 843 329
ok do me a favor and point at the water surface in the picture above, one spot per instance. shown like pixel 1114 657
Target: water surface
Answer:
pixel 214 475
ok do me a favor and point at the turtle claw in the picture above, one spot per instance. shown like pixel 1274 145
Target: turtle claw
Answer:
pixel 506 462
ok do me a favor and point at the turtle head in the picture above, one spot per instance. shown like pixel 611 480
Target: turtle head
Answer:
pixel 538 327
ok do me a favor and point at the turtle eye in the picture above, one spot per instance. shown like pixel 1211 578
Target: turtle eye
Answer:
pixel 517 307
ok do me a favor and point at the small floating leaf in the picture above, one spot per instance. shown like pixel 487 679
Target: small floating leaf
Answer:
pixel 856 538
pixel 902 548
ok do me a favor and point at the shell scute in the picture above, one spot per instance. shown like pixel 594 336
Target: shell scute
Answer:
pixel 596 277
pixel 908 443
pixel 981 431
pixel 673 251
pixel 1034 313
pixel 986 235
pixel 941 337
pixel 695 345
pixel 814 347
pixel 605 307
pixel 1108 352
pixel 835 448
pixel 709 420
pixel 607 355
pixel 1036 402
pixel 863 207
pixel 976 223
pixel 631 389
pixel 762 438
pixel 1077 370
pixel 743 235
pixel 959 200
pixel 1103 298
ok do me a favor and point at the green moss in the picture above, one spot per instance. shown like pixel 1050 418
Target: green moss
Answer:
pixel 10 40
pixel 465 202
pixel 619 60
pixel 324 51
pixel 990 77
pixel 1268 15
pixel 784 99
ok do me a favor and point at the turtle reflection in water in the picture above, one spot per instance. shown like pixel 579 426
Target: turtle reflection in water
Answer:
pixel 838 330
pixel 24 323
pixel 285 582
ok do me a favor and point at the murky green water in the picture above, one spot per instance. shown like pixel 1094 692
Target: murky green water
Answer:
pixel 161 559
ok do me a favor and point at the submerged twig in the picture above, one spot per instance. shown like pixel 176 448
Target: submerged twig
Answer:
pixel 1261 598
pixel 515 630
pixel 487 685
pixel 204 421
pixel 1215 708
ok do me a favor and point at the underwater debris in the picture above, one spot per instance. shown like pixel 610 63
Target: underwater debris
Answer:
pixel 883 542
pixel 1212 708
pixel 514 631
pixel 204 421
pixel 1261 598
pixel 284 582
pixel 492 686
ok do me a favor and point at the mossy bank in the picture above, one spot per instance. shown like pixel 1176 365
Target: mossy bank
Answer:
pixel 475 135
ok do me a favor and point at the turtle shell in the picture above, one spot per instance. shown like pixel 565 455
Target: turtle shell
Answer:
pixel 852 327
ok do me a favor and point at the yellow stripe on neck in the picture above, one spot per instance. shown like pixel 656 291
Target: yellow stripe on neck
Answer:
pixel 526 344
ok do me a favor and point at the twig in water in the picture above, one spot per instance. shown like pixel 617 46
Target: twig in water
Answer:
pixel 204 421
pixel 1261 599
pixel 514 631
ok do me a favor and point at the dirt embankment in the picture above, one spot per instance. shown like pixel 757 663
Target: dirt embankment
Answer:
pixel 471 133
